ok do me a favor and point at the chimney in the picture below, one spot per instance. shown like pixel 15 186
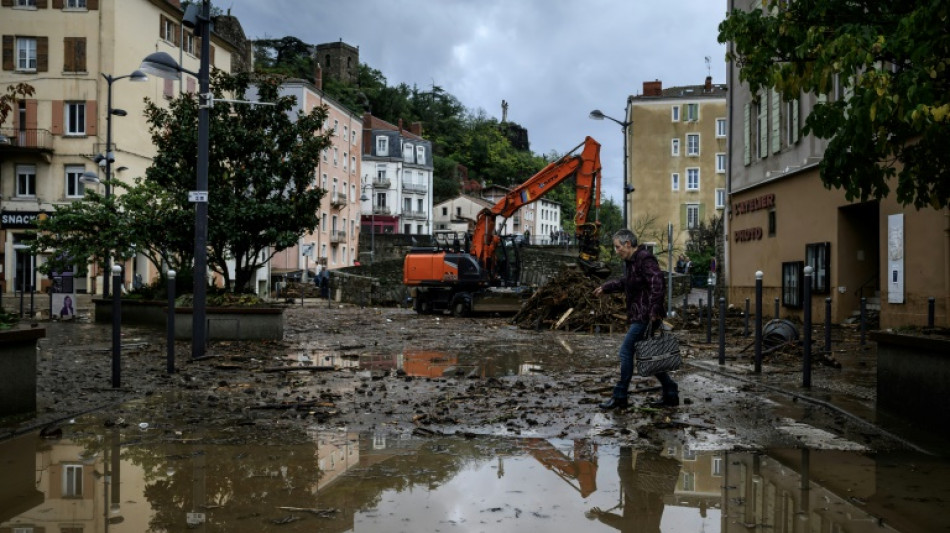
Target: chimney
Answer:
pixel 653 88
pixel 708 86
pixel 416 128
pixel 318 77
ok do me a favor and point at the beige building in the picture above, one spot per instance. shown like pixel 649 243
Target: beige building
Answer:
pixel 781 219
pixel 677 145
pixel 64 49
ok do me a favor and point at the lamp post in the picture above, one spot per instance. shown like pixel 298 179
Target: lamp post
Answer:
pixel 109 158
pixel 627 188
pixel 372 223
pixel 164 66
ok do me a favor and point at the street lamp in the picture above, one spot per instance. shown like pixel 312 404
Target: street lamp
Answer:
pixel 372 219
pixel 162 65
pixel 109 157
pixel 627 188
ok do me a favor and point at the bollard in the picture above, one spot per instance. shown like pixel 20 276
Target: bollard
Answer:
pixel 864 321
pixel 930 312
pixel 758 322
pixel 828 326
pixel 776 309
pixel 722 331
pixel 116 326
pixel 806 341
pixel 685 301
pixel 709 300
pixel 170 325
pixel 745 332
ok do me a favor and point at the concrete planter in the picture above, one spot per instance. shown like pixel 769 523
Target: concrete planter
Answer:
pixel 223 323
pixel 18 379
pixel 912 374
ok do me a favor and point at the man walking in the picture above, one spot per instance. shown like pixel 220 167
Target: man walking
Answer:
pixel 643 286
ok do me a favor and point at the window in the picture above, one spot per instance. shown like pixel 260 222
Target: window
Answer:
pixel 675 147
pixel 345 157
pixel 188 44
pixel 772 223
pixel 689 481
pixel 346 132
pixel 675 181
pixel 406 205
pixel 419 206
pixel 74 54
pixel 26 180
pixel 692 112
pixel 336 156
pixel 74 187
pixel 380 199
pixel 381 173
pixel 717 466
pixel 692 179
pixel 407 153
pixel 720 163
pixel 421 155
pixel 382 145
pixel 720 198
pixel 692 216
pixel 26 3
pixel 692 144
pixel 818 256
pixel 352 164
pixel 445 211
pixel 324 181
pixel 72 481
pixel 407 228
pixel 75 4
pixel 169 30
pixel 353 137
pixel 75 118
pixel 26 53
pixel 720 127
pixel 336 127
pixel 323 224
pixel 675 114
pixel 792 283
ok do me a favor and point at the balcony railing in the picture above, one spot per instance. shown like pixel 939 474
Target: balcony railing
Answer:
pixel 383 183
pixel 337 236
pixel 414 215
pixel 338 199
pixel 29 139
pixel 415 187
pixel 380 210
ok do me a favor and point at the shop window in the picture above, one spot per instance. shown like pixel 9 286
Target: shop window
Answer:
pixel 772 223
pixel 818 256
pixel 792 283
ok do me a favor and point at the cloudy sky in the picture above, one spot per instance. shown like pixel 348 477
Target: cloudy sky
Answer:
pixel 553 61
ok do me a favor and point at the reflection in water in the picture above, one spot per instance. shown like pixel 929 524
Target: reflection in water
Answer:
pixel 129 480
pixel 436 363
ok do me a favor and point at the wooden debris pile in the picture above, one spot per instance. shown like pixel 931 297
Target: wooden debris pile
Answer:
pixel 567 303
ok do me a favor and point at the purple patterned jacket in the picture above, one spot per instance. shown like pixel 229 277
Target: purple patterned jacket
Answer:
pixel 643 285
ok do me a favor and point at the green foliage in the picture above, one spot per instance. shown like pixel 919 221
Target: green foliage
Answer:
pixel 891 59
pixel 8 101
pixel 8 320
pixel 703 244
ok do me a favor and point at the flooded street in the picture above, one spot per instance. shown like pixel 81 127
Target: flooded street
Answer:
pixel 383 420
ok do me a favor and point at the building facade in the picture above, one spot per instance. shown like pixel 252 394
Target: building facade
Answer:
pixel 781 218
pixel 63 49
pixel 677 145
pixel 397 178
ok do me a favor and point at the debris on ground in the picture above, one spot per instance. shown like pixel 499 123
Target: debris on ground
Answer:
pixel 567 303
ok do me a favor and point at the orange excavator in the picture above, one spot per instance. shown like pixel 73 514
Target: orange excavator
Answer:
pixel 481 272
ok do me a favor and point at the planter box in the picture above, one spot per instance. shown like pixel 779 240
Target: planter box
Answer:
pixel 912 375
pixel 18 379
pixel 223 323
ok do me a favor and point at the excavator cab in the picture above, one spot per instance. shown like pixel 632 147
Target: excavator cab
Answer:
pixel 588 256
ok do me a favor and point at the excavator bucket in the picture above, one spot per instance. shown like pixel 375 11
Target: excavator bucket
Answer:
pixel 588 257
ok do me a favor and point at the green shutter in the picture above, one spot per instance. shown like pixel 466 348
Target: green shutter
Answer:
pixel 746 135
pixel 776 123
pixel 683 220
pixel 763 127
pixel 795 104
pixel 701 216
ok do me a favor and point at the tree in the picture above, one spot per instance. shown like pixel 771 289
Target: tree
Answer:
pixel 890 118
pixel 8 101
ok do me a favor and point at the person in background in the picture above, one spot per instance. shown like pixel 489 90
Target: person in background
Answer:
pixel 643 286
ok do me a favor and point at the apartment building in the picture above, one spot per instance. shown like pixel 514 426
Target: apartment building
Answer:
pixel 397 178
pixel 677 145
pixel 781 218
pixel 541 219
pixel 65 49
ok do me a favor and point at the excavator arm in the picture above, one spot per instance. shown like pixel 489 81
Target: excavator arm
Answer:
pixel 585 168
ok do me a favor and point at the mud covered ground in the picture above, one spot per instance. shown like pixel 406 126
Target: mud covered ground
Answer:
pixel 391 370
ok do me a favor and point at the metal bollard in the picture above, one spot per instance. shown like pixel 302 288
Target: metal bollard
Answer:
pixel 758 322
pixel 930 312
pixel 709 299
pixel 864 319
pixel 685 301
pixel 776 309
pixel 722 331
pixel 806 341
pixel 170 323
pixel 116 326
pixel 745 332
pixel 828 326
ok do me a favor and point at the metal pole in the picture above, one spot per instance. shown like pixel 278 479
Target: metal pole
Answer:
pixel 709 299
pixel 170 323
pixel 198 326
pixel 758 322
pixel 828 326
pixel 722 330
pixel 108 189
pixel 930 312
pixel 626 192
pixel 32 284
pixel 864 321
pixel 116 326
pixel 806 341
pixel 776 309
pixel 669 265
pixel 745 332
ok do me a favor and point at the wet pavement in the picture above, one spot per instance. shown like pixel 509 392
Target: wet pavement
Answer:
pixel 384 420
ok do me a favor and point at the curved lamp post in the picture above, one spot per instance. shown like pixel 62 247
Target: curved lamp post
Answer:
pixel 627 188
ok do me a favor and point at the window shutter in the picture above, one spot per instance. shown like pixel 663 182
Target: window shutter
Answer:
pixel 794 119
pixel 168 89
pixel 763 128
pixel 56 128
pixel 683 220
pixel 31 120
pixel 7 52
pixel 211 54
pixel 69 53
pixel 92 5
pixel 702 213
pixel 42 54
pixel 92 118
pixel 776 123
pixel 57 4
pixel 161 26
pixel 40 4
pixel 7 3
pixel 81 54
pixel 746 135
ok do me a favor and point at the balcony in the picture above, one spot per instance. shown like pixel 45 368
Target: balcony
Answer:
pixel 414 215
pixel 380 210
pixel 25 141
pixel 383 183
pixel 338 200
pixel 337 236
pixel 415 187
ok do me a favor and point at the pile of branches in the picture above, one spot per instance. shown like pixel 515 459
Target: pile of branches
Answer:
pixel 567 303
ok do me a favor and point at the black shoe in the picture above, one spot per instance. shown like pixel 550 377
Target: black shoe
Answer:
pixel 666 401
pixel 614 403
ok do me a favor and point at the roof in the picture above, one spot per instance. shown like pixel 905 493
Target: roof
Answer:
pixel 718 90
pixel 376 123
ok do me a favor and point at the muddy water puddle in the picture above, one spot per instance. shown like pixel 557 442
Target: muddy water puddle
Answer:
pixel 137 477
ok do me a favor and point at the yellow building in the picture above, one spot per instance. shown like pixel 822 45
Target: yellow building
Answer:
pixel 677 144
pixel 65 49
